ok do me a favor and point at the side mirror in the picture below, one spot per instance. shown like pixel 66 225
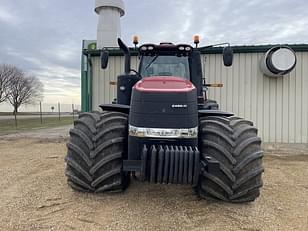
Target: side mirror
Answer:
pixel 104 58
pixel 227 56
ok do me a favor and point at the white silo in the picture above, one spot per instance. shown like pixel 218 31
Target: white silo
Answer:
pixel 109 27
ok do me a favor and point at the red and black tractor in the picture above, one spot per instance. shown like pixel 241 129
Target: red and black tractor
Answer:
pixel 161 128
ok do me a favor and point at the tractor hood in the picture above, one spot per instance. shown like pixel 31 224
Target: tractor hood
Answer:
pixel 164 102
pixel 164 84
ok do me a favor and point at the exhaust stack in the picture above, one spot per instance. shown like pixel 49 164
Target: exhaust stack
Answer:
pixel 109 27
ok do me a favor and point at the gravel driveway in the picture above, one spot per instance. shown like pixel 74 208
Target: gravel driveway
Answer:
pixel 34 196
pixel 49 134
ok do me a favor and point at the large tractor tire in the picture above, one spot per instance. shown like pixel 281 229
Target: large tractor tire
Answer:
pixel 96 149
pixel 234 144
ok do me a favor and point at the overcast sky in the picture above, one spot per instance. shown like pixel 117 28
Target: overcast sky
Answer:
pixel 43 37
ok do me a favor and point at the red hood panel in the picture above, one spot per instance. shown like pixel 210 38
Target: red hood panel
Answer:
pixel 164 84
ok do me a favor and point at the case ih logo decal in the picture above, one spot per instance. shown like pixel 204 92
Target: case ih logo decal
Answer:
pixel 179 105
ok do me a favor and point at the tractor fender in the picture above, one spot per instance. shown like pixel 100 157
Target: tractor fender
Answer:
pixel 116 108
pixel 204 112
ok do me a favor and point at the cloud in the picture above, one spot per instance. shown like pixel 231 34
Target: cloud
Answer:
pixel 44 37
pixel 46 42
pixel 7 17
pixel 239 22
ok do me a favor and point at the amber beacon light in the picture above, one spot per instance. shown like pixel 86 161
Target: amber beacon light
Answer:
pixel 196 40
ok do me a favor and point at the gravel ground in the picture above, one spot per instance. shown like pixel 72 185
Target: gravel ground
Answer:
pixel 59 134
pixel 34 196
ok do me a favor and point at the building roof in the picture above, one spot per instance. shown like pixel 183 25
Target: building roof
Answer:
pixel 89 47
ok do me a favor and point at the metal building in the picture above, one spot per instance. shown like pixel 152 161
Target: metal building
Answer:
pixel 277 106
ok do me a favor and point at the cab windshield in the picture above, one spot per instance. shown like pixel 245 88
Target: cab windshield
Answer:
pixel 165 65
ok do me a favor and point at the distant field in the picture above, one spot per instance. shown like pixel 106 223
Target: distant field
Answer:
pixel 7 126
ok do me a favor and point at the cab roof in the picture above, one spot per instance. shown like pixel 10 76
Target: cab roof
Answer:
pixel 165 48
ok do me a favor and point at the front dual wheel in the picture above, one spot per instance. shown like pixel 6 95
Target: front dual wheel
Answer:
pixel 96 149
pixel 234 143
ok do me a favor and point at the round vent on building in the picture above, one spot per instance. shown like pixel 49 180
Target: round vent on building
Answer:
pixel 278 61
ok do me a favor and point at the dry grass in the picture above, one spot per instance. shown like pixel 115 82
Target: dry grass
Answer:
pixel 7 126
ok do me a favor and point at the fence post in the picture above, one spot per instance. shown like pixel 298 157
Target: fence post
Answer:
pixel 15 116
pixel 41 115
pixel 73 112
pixel 59 111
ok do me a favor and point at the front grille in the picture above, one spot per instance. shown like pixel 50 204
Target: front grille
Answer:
pixel 170 164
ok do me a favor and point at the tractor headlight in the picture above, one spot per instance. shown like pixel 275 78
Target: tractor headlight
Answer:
pixel 163 132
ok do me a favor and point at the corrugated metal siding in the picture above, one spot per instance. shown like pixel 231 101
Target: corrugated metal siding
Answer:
pixel 103 92
pixel 277 106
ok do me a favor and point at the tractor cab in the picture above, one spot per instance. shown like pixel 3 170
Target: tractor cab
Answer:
pixel 165 59
pixel 173 60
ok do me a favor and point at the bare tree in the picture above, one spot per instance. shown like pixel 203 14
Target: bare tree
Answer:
pixel 7 73
pixel 24 90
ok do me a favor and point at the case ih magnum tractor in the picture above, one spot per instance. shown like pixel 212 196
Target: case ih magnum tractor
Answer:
pixel 162 129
